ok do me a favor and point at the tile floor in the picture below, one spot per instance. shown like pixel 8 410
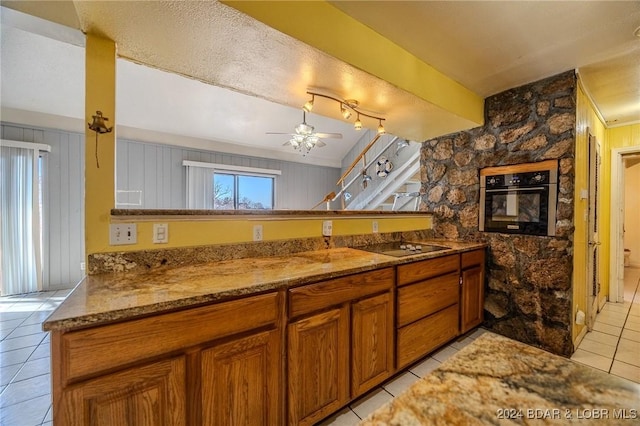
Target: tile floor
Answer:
pixel 25 379
pixel 25 395
pixel 614 343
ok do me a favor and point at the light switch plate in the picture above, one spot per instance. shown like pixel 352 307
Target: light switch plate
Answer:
pixel 327 228
pixel 160 233
pixel 123 234
pixel 374 226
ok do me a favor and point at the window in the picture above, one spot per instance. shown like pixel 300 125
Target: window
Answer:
pixel 242 192
pixel 223 187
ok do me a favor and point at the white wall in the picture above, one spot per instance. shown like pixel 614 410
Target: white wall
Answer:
pixel 632 213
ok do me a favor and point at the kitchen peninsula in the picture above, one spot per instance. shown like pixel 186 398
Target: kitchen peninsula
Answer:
pixel 496 380
pixel 289 338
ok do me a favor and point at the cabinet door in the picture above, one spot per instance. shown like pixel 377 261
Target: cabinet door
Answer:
pixel 318 354
pixel 372 342
pixel 472 307
pixel 241 381
pixel 152 394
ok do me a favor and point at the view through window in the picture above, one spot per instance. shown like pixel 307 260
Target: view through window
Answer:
pixel 242 192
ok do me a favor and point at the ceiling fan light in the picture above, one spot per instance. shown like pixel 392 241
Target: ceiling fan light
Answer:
pixel 304 129
pixel 381 130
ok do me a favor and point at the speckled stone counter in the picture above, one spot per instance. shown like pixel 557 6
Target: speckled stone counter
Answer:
pixel 496 380
pixel 109 297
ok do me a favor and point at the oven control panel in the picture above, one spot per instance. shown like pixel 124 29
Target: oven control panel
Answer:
pixel 517 179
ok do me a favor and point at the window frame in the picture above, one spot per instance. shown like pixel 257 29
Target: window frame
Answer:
pixel 237 171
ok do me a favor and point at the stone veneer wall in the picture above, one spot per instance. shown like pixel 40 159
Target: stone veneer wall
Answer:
pixel 529 288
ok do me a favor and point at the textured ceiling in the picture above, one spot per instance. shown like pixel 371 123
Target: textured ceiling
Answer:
pixel 486 46
pixel 491 46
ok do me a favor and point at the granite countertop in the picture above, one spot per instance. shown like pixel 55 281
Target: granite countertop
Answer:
pixel 496 380
pixel 110 297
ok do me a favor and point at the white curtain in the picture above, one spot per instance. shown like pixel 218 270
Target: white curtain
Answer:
pixel 21 263
pixel 199 187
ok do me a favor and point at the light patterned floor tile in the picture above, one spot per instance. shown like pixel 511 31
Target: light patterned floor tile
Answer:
pixel 599 337
pixel 606 328
pixel 598 348
pixel 425 367
pixel 630 335
pixel 443 354
pixel 401 383
pixel 344 417
pixel 626 371
pixel 371 402
pixel 628 352
pixel 594 360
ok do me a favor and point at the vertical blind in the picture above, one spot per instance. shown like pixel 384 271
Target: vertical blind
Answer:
pixel 20 236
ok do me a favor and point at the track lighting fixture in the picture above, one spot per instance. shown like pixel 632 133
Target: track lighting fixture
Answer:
pixel 358 124
pixel 308 106
pixel 347 108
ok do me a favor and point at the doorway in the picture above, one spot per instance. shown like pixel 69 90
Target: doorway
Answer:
pixel 616 277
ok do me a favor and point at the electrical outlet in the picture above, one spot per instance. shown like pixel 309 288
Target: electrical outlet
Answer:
pixel 160 233
pixel 83 266
pixel 257 232
pixel 374 226
pixel 327 228
pixel 122 234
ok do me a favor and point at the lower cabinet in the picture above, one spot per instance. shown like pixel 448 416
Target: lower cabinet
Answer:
pixel 240 381
pixel 219 364
pixel 150 395
pixel 371 342
pixel 472 295
pixel 338 354
pixel 318 365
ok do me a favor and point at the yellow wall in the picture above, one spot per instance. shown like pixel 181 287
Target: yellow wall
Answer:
pixel 100 95
pixel 587 121
pixel 185 233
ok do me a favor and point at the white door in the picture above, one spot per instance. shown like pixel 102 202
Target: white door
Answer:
pixel 593 252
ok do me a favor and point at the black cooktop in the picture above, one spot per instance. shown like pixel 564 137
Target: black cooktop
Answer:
pixel 401 249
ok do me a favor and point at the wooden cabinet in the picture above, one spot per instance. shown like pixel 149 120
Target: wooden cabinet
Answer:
pixel 216 364
pixel 152 394
pixel 240 381
pixel 472 294
pixel 340 342
pixel 427 306
pixel 318 365
pixel 371 342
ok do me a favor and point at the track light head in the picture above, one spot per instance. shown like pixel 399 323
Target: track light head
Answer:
pixel 308 106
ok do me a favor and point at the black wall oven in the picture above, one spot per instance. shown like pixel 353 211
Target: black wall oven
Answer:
pixel 519 199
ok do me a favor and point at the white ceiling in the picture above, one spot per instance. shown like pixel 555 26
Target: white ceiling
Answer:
pixel 487 46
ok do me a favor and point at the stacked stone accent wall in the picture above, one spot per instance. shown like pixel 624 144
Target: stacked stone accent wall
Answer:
pixel 529 287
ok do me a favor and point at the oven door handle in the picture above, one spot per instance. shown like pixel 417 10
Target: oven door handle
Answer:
pixel 516 189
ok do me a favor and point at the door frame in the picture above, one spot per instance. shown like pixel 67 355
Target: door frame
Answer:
pixel 593 240
pixel 616 244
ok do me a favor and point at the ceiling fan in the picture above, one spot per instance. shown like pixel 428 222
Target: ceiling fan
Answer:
pixel 304 138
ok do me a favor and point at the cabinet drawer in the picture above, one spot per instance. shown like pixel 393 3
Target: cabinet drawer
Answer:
pixel 87 352
pixel 472 258
pixel 425 269
pixel 322 295
pixel 424 298
pixel 418 339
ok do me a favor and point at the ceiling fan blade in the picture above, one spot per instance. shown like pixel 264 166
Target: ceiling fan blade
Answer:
pixel 277 133
pixel 320 144
pixel 329 135
pixel 286 143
